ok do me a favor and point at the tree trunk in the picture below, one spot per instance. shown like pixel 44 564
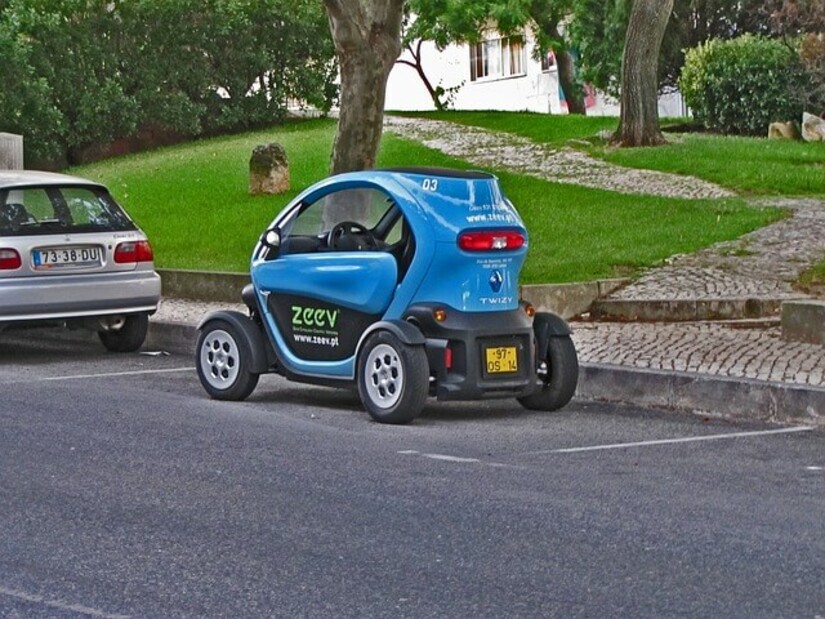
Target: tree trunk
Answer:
pixel 573 93
pixel 639 125
pixel 367 37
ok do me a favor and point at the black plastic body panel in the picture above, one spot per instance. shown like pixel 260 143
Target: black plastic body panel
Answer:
pixel 468 335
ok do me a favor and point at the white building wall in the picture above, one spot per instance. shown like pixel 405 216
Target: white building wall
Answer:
pixel 535 91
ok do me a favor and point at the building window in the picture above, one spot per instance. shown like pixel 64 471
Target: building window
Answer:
pixel 548 61
pixel 497 57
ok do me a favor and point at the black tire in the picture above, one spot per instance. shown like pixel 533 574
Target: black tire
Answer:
pixel 129 337
pixel 222 359
pixel 393 378
pixel 560 378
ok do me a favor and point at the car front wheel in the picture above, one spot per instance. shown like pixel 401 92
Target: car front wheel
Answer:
pixel 393 378
pixel 222 361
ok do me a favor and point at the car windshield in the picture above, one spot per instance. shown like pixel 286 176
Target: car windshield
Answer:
pixel 58 209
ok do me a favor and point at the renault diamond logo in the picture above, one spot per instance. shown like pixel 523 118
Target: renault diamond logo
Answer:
pixel 496 279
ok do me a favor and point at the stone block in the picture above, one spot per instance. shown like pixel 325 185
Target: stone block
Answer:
pixel 268 170
pixel 813 128
pixel 804 321
pixel 11 151
pixel 783 130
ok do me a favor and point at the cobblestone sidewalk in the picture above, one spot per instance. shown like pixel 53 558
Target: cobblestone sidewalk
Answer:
pixel 720 349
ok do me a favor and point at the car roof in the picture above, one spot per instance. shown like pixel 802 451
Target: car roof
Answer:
pixel 28 178
pixel 439 172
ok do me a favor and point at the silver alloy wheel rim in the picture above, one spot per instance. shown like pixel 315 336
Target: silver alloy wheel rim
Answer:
pixel 220 359
pixel 384 376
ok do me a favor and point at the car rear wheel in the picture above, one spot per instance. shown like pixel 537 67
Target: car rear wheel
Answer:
pixel 393 378
pixel 558 373
pixel 128 336
pixel 222 361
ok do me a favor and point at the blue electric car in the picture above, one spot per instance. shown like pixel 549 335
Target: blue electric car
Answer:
pixel 403 282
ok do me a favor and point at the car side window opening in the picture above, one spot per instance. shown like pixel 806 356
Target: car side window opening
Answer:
pixel 361 219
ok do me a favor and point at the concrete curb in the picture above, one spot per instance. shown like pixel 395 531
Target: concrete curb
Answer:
pixel 704 394
pixel 737 399
pixel 203 285
pixel 568 300
pixel 171 337
pixel 685 311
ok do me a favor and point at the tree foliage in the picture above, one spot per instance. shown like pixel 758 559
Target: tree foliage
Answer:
pixel 598 30
pixel 80 73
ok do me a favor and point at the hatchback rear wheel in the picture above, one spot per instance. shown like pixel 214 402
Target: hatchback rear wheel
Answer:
pixel 128 336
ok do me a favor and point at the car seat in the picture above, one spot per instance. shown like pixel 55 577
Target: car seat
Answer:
pixel 13 215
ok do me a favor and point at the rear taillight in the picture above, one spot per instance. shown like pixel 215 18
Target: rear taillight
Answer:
pixel 133 251
pixel 496 240
pixel 9 260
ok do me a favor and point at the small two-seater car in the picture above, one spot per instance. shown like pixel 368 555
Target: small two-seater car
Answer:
pixel 70 256
pixel 403 282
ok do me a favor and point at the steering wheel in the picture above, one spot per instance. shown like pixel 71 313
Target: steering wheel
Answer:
pixel 350 235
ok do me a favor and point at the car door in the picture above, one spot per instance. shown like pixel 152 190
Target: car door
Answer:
pixel 321 293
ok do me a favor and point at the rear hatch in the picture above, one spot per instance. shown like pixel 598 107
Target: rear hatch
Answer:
pixel 55 230
pixel 480 241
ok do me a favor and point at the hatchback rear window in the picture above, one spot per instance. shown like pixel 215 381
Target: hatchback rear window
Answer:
pixel 53 210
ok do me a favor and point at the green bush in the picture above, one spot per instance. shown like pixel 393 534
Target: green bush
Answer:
pixel 80 74
pixel 742 85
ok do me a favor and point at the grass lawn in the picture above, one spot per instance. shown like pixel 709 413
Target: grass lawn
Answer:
pixel 749 166
pixel 192 200
pixel 813 280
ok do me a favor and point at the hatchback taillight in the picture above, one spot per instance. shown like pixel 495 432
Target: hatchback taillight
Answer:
pixel 133 251
pixel 9 260
pixel 490 240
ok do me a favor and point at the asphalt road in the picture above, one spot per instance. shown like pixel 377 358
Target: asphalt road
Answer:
pixel 125 492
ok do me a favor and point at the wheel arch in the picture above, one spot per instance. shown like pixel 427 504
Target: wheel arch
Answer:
pixel 547 325
pixel 405 331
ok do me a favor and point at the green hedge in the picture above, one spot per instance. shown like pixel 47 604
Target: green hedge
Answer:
pixel 742 85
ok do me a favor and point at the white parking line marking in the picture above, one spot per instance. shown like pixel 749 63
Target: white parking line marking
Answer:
pixel 672 441
pixel 457 459
pixel 109 374
pixel 442 457
pixel 446 458
pixel 75 608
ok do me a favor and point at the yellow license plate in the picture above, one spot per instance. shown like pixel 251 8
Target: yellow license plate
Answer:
pixel 501 360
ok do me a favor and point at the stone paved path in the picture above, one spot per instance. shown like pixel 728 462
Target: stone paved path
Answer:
pixel 561 165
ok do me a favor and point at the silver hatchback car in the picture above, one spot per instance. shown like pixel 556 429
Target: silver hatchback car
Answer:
pixel 70 255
